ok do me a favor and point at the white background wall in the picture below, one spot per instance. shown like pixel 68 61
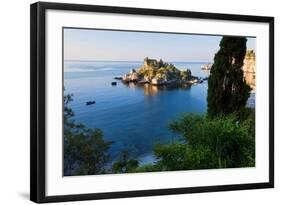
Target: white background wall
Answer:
pixel 14 100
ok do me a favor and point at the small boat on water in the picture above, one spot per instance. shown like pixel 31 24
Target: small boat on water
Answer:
pixel 90 102
pixel 113 83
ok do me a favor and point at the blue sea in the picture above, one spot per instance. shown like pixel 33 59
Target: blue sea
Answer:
pixel 134 117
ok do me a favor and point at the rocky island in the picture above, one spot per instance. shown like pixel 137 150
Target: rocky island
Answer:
pixel 157 72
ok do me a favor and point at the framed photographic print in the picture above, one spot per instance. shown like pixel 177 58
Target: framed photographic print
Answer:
pixel 129 102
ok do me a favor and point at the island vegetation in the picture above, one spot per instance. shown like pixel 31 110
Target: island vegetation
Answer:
pixel 157 72
pixel 224 137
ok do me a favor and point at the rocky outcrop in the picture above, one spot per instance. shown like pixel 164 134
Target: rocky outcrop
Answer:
pixel 207 67
pixel 249 68
pixel 156 72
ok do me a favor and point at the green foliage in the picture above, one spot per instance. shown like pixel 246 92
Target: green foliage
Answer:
pixel 221 142
pixel 171 156
pixel 227 90
pixel 125 165
pixel 250 53
pixel 224 138
pixel 186 74
pixel 85 151
pixel 149 168
pixel 160 70
pixel 148 73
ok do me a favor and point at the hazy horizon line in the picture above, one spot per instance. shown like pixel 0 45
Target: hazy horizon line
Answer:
pixel 190 61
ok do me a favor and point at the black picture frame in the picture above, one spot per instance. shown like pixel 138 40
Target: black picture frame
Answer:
pixel 38 101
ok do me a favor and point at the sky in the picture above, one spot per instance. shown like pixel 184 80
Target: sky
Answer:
pixel 105 45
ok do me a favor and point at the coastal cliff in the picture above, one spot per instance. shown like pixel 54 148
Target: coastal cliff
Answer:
pixel 249 69
pixel 157 72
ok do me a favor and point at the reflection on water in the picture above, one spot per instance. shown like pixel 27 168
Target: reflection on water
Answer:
pixel 150 90
pixel 134 116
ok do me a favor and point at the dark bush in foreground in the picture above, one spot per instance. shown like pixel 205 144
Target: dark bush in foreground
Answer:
pixel 85 150
pixel 221 142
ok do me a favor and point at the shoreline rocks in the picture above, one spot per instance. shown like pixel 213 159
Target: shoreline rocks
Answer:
pixel 207 67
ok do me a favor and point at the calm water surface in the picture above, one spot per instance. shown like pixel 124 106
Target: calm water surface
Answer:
pixel 134 117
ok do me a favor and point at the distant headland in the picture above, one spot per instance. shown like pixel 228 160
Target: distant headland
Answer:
pixel 158 72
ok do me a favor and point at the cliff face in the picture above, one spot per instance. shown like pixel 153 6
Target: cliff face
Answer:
pixel 249 69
